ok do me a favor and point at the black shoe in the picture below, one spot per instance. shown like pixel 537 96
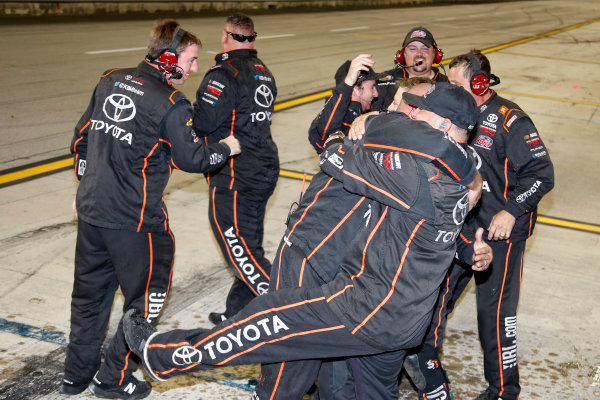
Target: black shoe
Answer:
pixel 428 376
pixel 137 331
pixel 130 389
pixel 71 388
pixel 216 318
pixel 489 394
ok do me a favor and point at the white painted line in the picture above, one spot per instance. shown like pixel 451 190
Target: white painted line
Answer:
pixel 405 23
pixel 276 36
pixel 354 28
pixel 446 19
pixel 116 50
pixel 212 52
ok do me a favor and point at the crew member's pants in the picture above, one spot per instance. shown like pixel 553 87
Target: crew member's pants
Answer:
pixel 237 219
pixel 141 263
pixel 285 325
pixel 497 291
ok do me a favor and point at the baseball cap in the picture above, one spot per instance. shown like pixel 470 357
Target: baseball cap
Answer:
pixel 419 34
pixel 342 71
pixel 448 101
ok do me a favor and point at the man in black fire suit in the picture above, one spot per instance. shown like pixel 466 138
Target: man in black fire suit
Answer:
pixel 136 129
pixel 382 296
pixel 414 60
pixel 517 172
pixel 236 97
pixel 354 91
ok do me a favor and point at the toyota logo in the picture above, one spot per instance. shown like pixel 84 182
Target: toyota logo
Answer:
pixel 119 108
pixel 492 118
pixel 263 96
pixel 186 355
pixel 461 209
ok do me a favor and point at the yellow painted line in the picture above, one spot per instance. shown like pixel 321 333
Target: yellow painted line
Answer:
pixel 33 171
pixel 540 36
pixel 295 175
pixel 568 224
pixel 302 100
pixel 569 60
pixel 536 96
pixel 529 39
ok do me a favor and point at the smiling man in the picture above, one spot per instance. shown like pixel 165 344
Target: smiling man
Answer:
pixel 415 59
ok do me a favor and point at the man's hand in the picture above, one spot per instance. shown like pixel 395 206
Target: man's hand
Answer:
pixel 233 143
pixel 362 62
pixel 474 191
pixel 357 129
pixel 501 226
pixel 482 252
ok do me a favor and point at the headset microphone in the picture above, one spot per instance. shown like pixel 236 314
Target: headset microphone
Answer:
pixel 398 65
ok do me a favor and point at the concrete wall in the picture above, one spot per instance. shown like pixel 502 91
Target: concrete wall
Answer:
pixel 68 9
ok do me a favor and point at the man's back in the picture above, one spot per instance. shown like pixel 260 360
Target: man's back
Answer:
pixel 237 98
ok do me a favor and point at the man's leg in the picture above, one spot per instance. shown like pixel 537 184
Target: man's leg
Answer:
pixel 291 379
pixel 236 219
pixel 497 299
pixel 93 293
pixel 144 263
pixel 423 365
pixel 290 324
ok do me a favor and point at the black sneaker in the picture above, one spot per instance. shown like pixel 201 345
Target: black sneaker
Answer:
pixel 132 389
pixel 216 318
pixel 138 333
pixel 489 394
pixel 72 388
pixel 429 377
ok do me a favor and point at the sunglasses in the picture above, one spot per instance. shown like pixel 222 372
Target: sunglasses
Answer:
pixel 242 38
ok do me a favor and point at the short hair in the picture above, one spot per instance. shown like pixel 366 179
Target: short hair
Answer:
pixel 162 35
pixel 465 60
pixel 242 21
pixel 412 82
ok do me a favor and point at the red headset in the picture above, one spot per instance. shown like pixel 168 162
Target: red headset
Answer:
pixel 438 55
pixel 480 84
pixel 167 61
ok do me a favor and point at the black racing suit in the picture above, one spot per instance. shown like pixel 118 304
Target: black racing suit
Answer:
pixel 136 129
pixel 337 115
pixel 365 308
pixel 387 88
pixel 517 172
pixel 236 97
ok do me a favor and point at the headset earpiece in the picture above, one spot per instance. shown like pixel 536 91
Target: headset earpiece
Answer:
pixel 439 55
pixel 400 56
pixel 167 61
pixel 480 84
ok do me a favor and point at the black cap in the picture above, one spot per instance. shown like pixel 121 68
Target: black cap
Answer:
pixel 448 101
pixel 419 34
pixel 342 71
